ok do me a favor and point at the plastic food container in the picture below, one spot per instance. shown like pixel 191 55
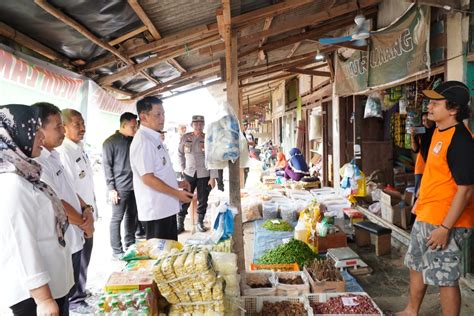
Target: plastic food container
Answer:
pixel 270 210
pixel 288 212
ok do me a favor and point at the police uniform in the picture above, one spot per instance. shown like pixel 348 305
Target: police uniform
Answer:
pixel 191 155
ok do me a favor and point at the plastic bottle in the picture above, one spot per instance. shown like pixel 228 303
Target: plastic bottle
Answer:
pixel 302 232
pixel 115 310
pixel 144 311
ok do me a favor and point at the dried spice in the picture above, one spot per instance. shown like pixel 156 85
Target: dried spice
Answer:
pixel 360 304
pixel 284 308
pixel 324 270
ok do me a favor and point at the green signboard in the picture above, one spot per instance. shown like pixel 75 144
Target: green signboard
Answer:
pixel 395 52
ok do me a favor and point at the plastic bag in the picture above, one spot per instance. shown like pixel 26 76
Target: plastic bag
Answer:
pixel 223 227
pixel 136 252
pixel 375 208
pixel 373 107
pixel 222 139
pixel 224 263
pixel 156 247
pixel 251 209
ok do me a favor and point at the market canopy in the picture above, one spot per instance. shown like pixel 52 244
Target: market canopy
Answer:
pixel 165 47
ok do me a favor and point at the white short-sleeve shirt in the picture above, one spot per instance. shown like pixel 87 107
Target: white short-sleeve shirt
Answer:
pixel 148 155
pixel 79 170
pixel 53 174
pixel 31 255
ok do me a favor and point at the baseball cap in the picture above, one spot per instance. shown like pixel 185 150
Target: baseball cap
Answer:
pixel 454 91
pixel 198 118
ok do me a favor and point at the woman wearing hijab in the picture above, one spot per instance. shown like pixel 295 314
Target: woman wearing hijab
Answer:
pixel 36 267
pixel 280 165
pixel 297 167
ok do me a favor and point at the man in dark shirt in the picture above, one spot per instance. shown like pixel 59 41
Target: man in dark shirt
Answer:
pixel 119 179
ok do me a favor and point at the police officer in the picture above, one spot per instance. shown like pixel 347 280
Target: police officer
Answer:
pixel 191 159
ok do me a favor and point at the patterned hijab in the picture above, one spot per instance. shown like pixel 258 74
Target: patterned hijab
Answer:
pixel 18 126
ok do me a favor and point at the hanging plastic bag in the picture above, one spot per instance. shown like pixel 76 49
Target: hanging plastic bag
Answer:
pixel 222 139
pixel 223 227
pixel 373 107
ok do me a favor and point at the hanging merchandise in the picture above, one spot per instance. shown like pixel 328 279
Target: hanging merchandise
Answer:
pixel 397 126
pixel 315 125
pixel 353 180
pixel 222 139
pixel 373 107
pixel 403 104
pixel 223 227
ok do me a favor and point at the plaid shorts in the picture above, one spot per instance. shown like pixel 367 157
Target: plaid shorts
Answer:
pixel 439 267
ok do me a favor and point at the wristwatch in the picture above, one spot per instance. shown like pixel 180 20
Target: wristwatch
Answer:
pixel 85 207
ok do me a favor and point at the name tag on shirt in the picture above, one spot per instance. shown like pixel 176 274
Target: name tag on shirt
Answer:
pixel 59 172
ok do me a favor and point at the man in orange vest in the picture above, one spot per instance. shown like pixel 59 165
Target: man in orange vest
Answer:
pixel 445 207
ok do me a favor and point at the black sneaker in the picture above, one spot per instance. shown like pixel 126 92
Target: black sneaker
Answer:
pixel 140 235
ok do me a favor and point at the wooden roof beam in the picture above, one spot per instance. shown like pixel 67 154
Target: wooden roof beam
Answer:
pixel 195 88
pixel 26 41
pixel 152 29
pixel 313 34
pixel 268 80
pixel 84 31
pixel 329 15
pixel 200 32
pixel 279 62
pixel 309 72
pixel 196 72
pixel 127 36
pixel 266 26
pixel 189 81
pixel 171 53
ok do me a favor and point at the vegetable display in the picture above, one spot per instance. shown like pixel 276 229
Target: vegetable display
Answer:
pixel 291 252
pixel 277 225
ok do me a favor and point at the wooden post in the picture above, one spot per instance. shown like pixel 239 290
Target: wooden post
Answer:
pixel 357 128
pixel 230 40
pixel 336 139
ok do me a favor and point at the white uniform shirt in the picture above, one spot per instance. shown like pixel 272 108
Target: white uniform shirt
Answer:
pixel 53 174
pixel 148 155
pixel 79 170
pixel 31 255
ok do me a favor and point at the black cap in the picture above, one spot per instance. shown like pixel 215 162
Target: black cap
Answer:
pixel 454 91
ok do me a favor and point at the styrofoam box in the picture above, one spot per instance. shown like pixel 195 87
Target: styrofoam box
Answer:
pixel 254 304
pixel 323 297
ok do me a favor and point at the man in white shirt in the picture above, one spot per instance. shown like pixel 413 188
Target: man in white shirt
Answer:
pixel 79 171
pixel 53 174
pixel 157 191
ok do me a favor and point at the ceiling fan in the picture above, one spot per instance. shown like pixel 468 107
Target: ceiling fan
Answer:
pixel 359 38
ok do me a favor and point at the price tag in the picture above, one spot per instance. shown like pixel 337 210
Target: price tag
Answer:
pixel 349 301
pixel 275 221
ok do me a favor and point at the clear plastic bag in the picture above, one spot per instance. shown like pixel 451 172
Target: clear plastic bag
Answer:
pixel 251 209
pixel 222 139
pixel 373 107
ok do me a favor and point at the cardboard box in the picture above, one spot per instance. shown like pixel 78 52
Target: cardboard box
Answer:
pixel 325 286
pixel 336 240
pixel 130 280
pixel 392 211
